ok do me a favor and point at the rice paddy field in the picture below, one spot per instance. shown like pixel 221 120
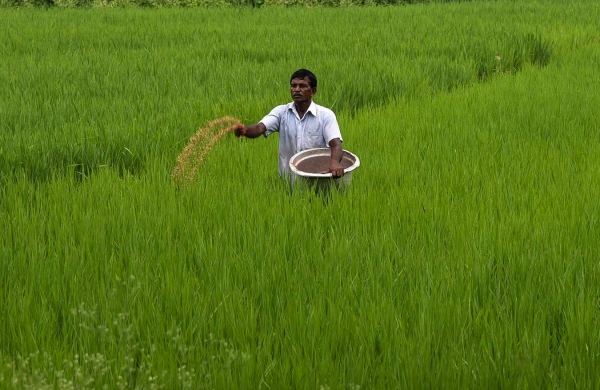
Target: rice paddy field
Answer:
pixel 465 254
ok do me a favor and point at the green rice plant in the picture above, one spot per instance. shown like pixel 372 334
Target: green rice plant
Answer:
pixel 512 55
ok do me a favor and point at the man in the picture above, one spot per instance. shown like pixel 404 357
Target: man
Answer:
pixel 301 124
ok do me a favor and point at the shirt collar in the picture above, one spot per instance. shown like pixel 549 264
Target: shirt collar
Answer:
pixel 312 108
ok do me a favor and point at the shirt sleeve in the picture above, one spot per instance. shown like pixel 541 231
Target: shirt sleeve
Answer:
pixel 331 129
pixel 273 120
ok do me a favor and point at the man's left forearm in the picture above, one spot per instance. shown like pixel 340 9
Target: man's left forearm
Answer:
pixel 336 150
pixel 335 164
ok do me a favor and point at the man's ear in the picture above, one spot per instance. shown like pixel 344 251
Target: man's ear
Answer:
pixel 314 91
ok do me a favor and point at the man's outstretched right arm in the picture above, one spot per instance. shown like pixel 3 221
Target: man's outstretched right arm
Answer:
pixel 250 131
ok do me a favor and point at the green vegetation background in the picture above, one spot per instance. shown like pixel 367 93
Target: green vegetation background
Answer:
pixel 209 3
pixel 464 255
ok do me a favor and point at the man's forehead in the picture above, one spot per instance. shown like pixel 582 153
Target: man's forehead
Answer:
pixel 299 80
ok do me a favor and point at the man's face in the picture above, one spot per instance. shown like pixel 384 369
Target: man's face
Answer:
pixel 301 90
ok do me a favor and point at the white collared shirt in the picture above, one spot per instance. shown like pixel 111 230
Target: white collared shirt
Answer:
pixel 318 127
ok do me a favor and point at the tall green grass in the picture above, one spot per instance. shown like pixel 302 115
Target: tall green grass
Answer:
pixel 116 98
pixel 464 255
pixel 208 3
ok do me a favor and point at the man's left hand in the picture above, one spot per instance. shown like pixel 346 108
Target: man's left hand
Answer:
pixel 336 169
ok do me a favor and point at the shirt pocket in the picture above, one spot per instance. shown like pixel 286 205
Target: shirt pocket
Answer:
pixel 314 136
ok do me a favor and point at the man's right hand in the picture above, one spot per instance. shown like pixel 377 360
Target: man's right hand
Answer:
pixel 250 131
pixel 239 130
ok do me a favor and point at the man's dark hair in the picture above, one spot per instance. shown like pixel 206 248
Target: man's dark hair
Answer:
pixel 302 73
